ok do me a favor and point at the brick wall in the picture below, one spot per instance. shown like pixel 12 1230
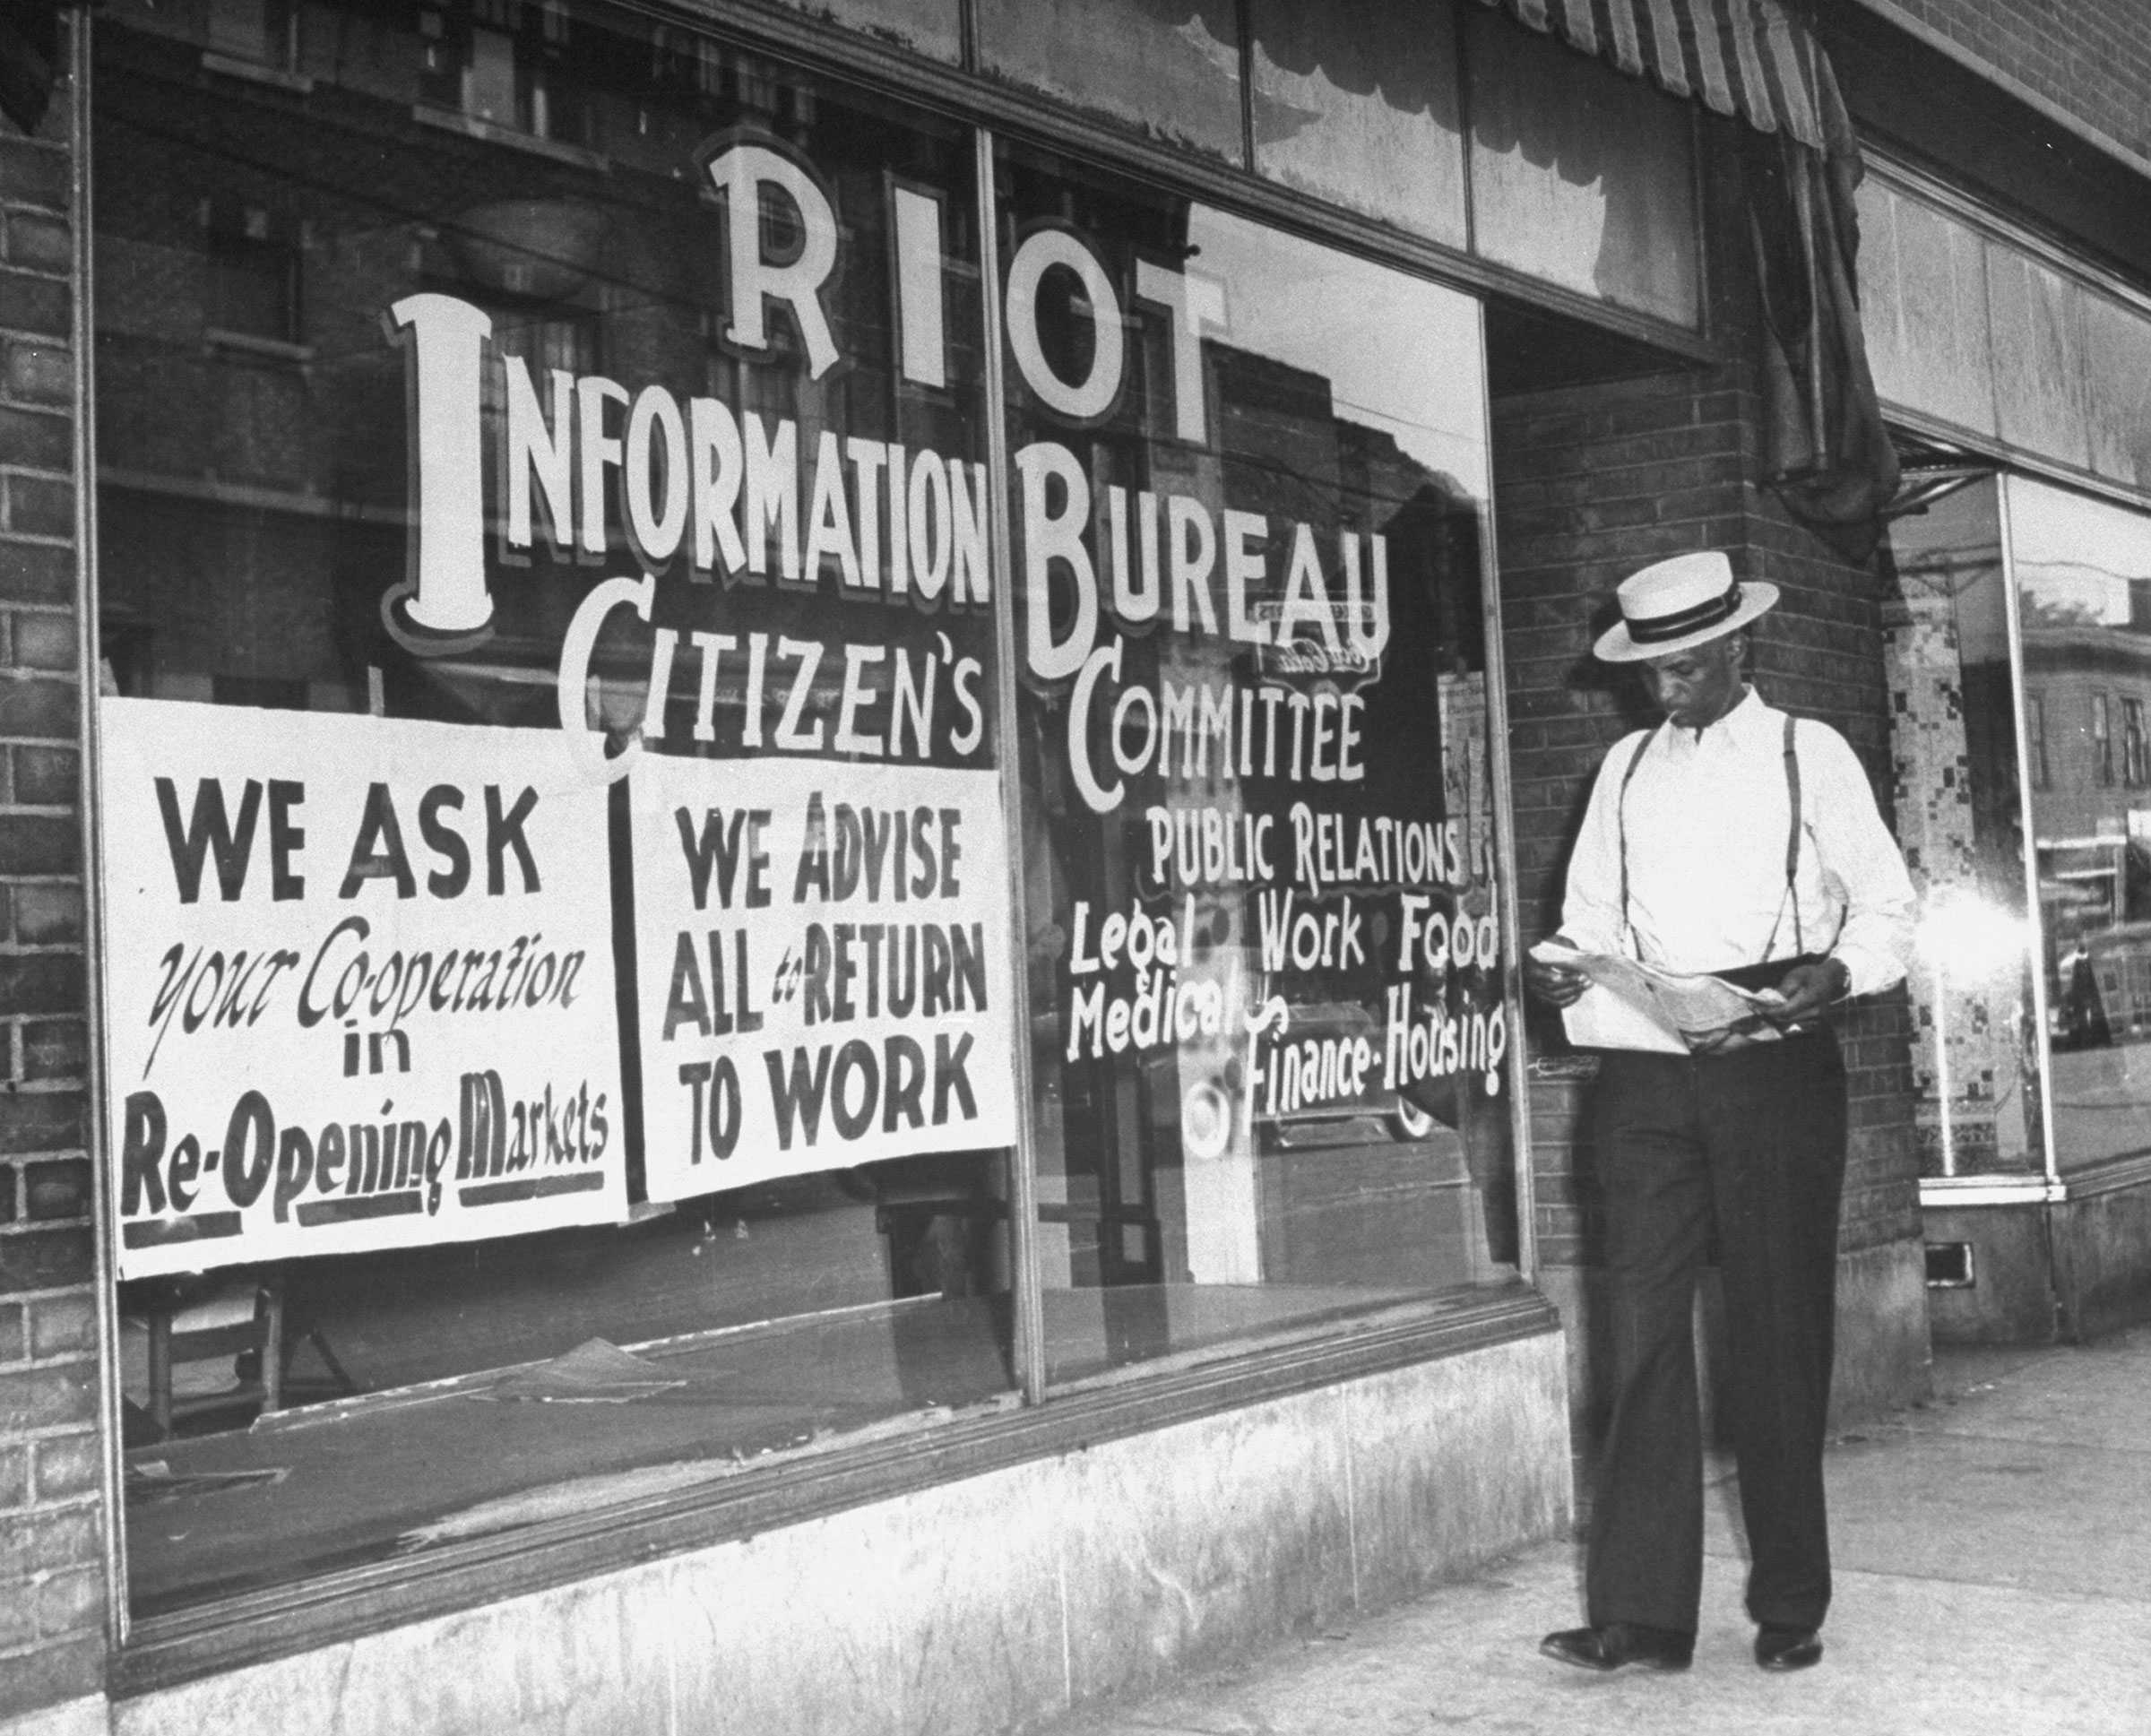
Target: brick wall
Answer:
pixel 1590 483
pixel 52 1588
pixel 2090 58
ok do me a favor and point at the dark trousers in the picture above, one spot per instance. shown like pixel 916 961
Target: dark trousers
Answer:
pixel 1745 1153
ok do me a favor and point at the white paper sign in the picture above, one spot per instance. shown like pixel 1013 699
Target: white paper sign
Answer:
pixel 361 987
pixel 822 963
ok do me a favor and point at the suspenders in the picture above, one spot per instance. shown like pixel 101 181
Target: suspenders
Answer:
pixel 1792 838
pixel 1800 943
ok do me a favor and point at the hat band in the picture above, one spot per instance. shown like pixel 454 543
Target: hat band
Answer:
pixel 1657 629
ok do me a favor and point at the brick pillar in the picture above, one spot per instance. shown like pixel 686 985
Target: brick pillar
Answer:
pixel 1590 483
pixel 52 1518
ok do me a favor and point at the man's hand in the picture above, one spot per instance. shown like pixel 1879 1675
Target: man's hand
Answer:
pixel 1739 1034
pixel 1555 984
pixel 1806 989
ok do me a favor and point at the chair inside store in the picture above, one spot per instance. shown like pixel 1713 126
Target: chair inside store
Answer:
pixel 204 1356
pixel 938 1224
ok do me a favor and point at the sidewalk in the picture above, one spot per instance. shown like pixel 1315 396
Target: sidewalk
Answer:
pixel 1993 1573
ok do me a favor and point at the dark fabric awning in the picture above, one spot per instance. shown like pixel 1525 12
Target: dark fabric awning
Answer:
pixel 1750 59
pixel 1825 450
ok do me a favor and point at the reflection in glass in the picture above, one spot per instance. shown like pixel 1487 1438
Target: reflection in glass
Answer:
pixel 932 27
pixel 1923 307
pixel 2039 356
pixel 2117 385
pixel 1170 68
pixel 1264 965
pixel 1357 103
pixel 1967 326
pixel 1947 654
pixel 2083 570
pixel 256 509
pixel 1580 175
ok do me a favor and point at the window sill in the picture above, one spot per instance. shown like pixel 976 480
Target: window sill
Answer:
pixel 447 120
pixel 257 1626
pixel 2127 1173
pixel 256 72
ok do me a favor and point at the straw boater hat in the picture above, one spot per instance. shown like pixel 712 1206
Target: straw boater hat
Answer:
pixel 1673 604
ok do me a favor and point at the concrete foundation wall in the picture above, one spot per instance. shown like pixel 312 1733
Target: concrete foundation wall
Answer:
pixel 2012 1297
pixel 983 1605
pixel 1883 1361
pixel 2078 1269
pixel 2102 1245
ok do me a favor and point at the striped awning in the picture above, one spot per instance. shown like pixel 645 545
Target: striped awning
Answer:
pixel 1749 59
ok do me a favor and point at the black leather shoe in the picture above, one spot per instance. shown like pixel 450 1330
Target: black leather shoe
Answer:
pixel 1788 1648
pixel 1620 1645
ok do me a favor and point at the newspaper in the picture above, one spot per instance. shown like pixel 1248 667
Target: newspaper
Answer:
pixel 1634 1006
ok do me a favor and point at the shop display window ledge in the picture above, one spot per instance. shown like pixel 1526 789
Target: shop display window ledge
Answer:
pixel 904 1455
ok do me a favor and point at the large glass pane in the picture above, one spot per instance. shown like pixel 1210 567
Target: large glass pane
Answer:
pixel 1958 804
pixel 1973 329
pixel 558 882
pixel 2038 349
pixel 1923 308
pixel 1268 1023
pixel 1169 67
pixel 2084 586
pixel 2116 377
pixel 1579 175
pixel 1357 103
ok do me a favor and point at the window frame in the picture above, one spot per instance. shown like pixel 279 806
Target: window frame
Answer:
pixel 2136 751
pixel 280 40
pixel 217 1635
pixel 276 259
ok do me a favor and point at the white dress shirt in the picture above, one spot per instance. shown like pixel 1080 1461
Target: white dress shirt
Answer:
pixel 1707 817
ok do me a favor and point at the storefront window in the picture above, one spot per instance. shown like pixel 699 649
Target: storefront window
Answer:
pixel 558 910
pixel 1268 1032
pixel 1579 175
pixel 2083 571
pixel 566 894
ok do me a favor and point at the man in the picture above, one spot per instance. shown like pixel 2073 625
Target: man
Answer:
pixel 1727 837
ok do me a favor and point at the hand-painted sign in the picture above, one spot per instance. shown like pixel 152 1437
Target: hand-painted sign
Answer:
pixel 360 989
pixel 823 966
